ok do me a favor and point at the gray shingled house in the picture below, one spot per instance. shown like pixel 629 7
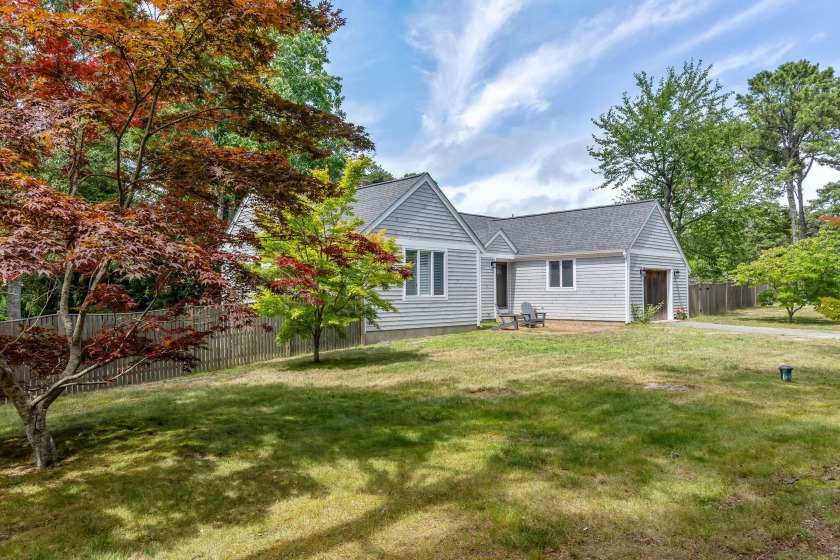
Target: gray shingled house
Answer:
pixel 587 264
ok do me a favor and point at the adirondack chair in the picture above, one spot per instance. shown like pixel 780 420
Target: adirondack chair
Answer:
pixel 530 317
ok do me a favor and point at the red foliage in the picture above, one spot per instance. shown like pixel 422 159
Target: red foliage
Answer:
pixel 142 85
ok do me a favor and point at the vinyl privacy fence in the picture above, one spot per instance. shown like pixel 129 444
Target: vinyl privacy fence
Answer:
pixel 711 299
pixel 235 347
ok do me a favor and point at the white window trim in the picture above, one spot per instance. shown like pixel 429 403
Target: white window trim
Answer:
pixel 445 295
pixel 548 286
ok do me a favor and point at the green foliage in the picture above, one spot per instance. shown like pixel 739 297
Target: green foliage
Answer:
pixel 378 174
pixel 800 274
pixel 323 274
pixel 827 203
pixel 641 314
pixel 794 118
pixel 829 307
pixel 673 142
pixel 733 235
pixel 302 77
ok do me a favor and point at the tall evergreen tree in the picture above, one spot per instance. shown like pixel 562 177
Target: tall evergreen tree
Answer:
pixel 794 116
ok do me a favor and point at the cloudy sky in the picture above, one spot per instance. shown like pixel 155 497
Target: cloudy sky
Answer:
pixel 495 97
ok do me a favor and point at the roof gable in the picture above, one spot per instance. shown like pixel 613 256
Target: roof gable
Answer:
pixel 421 181
pixel 500 243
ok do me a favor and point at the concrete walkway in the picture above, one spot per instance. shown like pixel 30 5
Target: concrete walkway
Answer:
pixel 801 333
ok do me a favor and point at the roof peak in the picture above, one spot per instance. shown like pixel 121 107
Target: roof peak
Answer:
pixel 391 181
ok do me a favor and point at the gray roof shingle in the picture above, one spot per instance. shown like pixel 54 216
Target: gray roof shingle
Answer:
pixel 601 228
pixel 373 200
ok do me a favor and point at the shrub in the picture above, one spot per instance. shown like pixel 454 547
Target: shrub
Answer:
pixel 644 314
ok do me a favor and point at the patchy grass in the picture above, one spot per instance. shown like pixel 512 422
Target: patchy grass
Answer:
pixel 772 316
pixel 631 443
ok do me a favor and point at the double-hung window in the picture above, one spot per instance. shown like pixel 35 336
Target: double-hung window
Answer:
pixel 429 268
pixel 561 274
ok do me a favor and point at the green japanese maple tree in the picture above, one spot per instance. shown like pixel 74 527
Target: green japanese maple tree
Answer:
pixel 321 272
pixel 799 274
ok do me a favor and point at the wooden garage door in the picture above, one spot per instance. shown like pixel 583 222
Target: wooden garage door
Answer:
pixel 656 291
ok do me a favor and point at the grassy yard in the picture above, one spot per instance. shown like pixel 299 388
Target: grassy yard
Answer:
pixel 631 443
pixel 772 316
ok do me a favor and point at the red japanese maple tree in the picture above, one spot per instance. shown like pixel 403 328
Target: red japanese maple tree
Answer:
pixel 124 92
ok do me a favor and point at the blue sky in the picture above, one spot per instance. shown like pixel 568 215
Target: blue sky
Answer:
pixel 495 97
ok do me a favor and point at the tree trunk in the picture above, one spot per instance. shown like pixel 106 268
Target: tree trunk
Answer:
pixel 316 346
pixel 794 216
pixel 13 296
pixel 790 311
pixel 803 226
pixel 39 437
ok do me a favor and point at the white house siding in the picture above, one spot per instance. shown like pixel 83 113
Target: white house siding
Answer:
pixel 499 245
pixel 655 248
pixel 655 235
pixel 424 215
pixel 488 289
pixel 458 307
pixel 599 293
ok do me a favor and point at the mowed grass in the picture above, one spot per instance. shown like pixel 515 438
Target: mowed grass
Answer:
pixel 772 316
pixel 632 443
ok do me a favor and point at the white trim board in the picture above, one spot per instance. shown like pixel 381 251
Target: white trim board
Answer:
pixel 627 299
pixel 579 254
pixel 655 253
pixel 404 241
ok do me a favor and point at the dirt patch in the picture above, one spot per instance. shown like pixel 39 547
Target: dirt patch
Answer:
pixel 574 327
pixel 671 387
pixel 492 394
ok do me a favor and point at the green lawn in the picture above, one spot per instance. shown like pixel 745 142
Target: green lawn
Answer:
pixel 632 443
pixel 772 316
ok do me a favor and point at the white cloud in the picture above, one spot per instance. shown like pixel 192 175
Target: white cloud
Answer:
pixel 752 14
pixel 817 178
pixel 764 55
pixel 364 114
pixel 556 177
pixel 459 42
pixel 525 82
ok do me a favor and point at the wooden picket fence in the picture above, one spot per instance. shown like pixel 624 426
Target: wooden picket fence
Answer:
pixel 711 299
pixel 234 347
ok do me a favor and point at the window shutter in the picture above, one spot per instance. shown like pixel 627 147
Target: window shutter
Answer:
pixel 411 284
pixel 438 273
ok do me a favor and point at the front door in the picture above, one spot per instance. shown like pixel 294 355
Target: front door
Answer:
pixel 656 291
pixel 501 285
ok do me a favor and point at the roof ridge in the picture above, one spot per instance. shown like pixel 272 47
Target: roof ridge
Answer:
pixel 480 215
pixel 574 209
pixel 391 181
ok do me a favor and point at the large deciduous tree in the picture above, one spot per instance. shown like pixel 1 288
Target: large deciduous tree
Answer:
pixel 794 113
pixel 672 142
pixel 122 95
pixel 322 273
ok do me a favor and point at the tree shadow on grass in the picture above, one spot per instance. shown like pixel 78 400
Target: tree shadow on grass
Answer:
pixel 145 479
pixel 379 355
